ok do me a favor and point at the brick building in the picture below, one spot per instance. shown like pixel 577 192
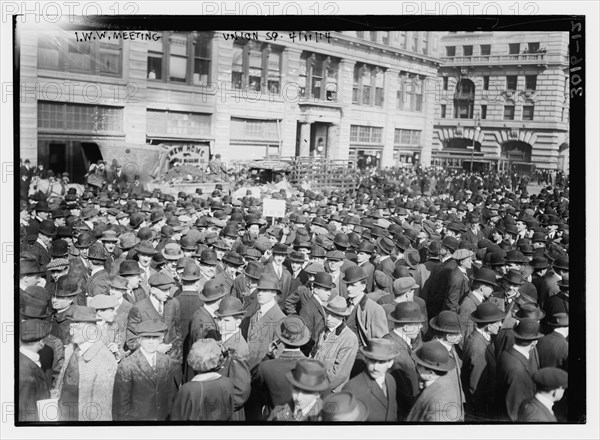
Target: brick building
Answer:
pixel 506 94
pixel 345 95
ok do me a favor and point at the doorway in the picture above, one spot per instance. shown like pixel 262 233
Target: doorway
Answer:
pixel 73 157
pixel 319 139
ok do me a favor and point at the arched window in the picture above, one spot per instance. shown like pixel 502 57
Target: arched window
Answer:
pixel 516 151
pixel 464 99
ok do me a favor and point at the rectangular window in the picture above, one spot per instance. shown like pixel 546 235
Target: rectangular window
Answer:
pixel 366 87
pixel 331 81
pixel 379 81
pixel 385 37
pixel 407 137
pixel 445 83
pixel 415 41
pixel 356 85
pixel 258 67
pixel 255 67
pixel 366 135
pixel 374 36
pixel 483 111
pixel 253 129
pixel 514 48
pixel 274 72
pixel 486 82
pixel 202 55
pixel 530 82
pixel 509 112
pixel 442 111
pixel 93 119
pixel 425 43
pixel 402 40
pixel 528 112
pixel 511 82
pixel 237 67
pixel 450 51
pixel 177 124
pixel 419 102
pixel 155 59
pixel 486 49
pixel 178 58
pixel 533 47
pixel 360 34
pixel 467 51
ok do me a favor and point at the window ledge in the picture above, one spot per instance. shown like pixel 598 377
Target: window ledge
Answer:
pixel 87 77
pixel 202 89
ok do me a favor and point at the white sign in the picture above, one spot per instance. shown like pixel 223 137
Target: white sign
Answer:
pixel 273 208
pixel 189 154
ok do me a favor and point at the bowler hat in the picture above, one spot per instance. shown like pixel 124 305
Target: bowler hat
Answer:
pixel 486 276
pixel 135 220
pixel 151 327
pixel 187 243
pixel 354 274
pixel 527 330
pixel 337 306
pixel 85 240
pixel 402 242
pixel 447 321
pixel 324 280
pixel 208 257
pixel 129 267
pixel 230 306
pixel 145 248
pixel 407 312
pixel 495 259
pixel 435 247
pixel 366 247
pixel 32 330
pixel 435 356
pixel 561 262
pixel 343 407
pixel 450 243
pixel 172 251
pixel 67 286
pixel 514 256
pixel 539 262
pixel 47 227
pixel 487 312
pixel 101 302
pixel 514 277
pixel 309 375
pixel 380 349
pixel 191 272
pixel 233 258
pixel 293 331
pixel 563 284
pixel 161 281
pixel 30 267
pixel 83 314
pixel 550 378
pixel 42 206
pixel 212 291
pixel 60 248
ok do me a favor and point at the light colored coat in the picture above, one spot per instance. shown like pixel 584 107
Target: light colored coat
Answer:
pixel 261 333
pixel 337 351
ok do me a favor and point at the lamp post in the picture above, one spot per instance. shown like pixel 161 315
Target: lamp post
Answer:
pixel 477 128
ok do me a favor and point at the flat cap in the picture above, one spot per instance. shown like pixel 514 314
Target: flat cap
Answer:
pixel 161 280
pixel 335 255
pixel 549 378
pixel 101 302
pixel 461 254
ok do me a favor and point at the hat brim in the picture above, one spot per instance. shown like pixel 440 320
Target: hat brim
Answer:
pixel 302 341
pixel 184 278
pixel 320 387
pixel 380 357
pixel 240 313
pixel 331 286
pixel 354 280
pixel 337 312
pixel 434 326
pixel 172 257
pixel 529 338
pixel 499 317
pixel 449 366
pixel 420 320
pixel 151 334
pixel 488 282
pixel 213 298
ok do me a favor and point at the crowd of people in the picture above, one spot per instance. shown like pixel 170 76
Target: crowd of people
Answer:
pixel 419 296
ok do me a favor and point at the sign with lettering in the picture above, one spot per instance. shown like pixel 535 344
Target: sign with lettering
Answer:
pixel 273 208
pixel 189 154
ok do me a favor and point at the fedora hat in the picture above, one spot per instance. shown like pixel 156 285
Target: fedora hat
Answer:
pixel 109 235
pixel 280 249
pixel 324 280
pixel 32 330
pixel 118 282
pixel 450 243
pixel 83 314
pixel 514 277
pixel 233 258
pixel 385 245
pixel 293 331
pixel 97 252
pixel 268 282
pixel 514 256
pixel 296 257
pixel 85 240
pixel 191 272
pixel 412 258
pixel 34 311
pixel 254 270
pixel 212 291
pixel 343 407
pixel 539 262
pixel 495 259
pixel 230 306
pixel 354 274
pixel 172 251
pixel 208 257
pixel 337 306
pixel 366 247
pixel 563 284
pixel 561 262
pixel 403 285
pixel 529 310
pixel 487 312
pixel 559 320
pixel 435 356
pixel 380 349
pixel 407 312
pixel 30 267
pixel 66 287
pixel 129 267
pixel 309 375
pixel 528 330
pixel 485 275
pixel 447 321
pixel 152 327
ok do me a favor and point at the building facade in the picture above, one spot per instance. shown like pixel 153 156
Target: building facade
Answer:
pixel 131 95
pixel 503 99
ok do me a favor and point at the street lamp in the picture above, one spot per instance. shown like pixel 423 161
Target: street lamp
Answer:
pixel 477 129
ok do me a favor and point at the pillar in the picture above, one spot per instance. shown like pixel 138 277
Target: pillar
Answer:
pixel 304 139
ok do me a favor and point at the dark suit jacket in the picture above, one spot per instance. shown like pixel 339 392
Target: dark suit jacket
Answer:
pixel 404 371
pixel 381 408
pixel 553 351
pixel 142 392
pixel 270 382
pixel 189 302
pixel 456 288
pixel 122 317
pixel 514 383
pixel 314 316
pixel 370 271
pixel 474 373
pixel 42 254
pixel 548 288
pixel 439 402
pixel 97 284
pixel 435 288
pixel 532 410
pixel 285 282
pixel 467 306
pixel 32 387
pixel 143 311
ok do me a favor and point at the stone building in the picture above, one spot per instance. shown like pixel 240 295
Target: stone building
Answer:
pixel 505 94
pixel 131 96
